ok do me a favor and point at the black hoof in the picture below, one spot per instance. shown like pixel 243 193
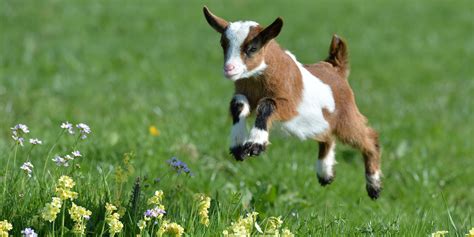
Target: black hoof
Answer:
pixel 325 181
pixel 253 149
pixel 238 153
pixel 373 192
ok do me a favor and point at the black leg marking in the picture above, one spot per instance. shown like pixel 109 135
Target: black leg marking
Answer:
pixel 373 191
pixel 325 181
pixel 236 108
pixel 264 111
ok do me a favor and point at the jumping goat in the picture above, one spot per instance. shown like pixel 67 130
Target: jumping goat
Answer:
pixel 312 101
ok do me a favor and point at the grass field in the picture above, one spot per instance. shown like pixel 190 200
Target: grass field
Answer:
pixel 123 66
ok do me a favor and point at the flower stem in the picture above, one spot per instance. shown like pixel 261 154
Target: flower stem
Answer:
pixel 6 170
pixel 64 215
pixel 51 150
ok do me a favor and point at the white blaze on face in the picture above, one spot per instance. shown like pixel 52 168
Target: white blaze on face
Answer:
pixel 236 33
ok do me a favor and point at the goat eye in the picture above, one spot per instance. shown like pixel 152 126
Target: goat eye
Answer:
pixel 251 50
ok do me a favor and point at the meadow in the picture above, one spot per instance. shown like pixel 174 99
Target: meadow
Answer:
pixel 146 77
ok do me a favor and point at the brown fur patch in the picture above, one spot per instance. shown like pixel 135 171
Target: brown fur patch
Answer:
pixel 281 81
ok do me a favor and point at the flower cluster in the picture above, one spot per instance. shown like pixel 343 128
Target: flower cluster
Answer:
pixel 63 189
pixel 51 210
pixel 35 141
pixel 68 127
pixel 243 226
pixel 17 132
pixel 79 215
pixel 471 233
pixel 273 227
pixel 5 227
pixel 83 128
pixel 179 166
pixel 286 233
pixel 28 232
pixel 113 219
pixel 440 233
pixel 28 168
pixel 204 203
pixel 64 161
pixel 156 212
pixel 170 228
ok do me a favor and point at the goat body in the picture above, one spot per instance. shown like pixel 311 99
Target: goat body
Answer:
pixel 312 101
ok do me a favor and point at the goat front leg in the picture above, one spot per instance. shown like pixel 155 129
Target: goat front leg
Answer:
pixel 258 139
pixel 240 110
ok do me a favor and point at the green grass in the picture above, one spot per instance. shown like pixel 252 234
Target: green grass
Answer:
pixel 122 66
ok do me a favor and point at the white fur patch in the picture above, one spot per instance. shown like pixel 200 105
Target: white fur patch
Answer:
pixel 254 72
pixel 374 180
pixel 236 33
pixel 238 133
pixel 258 135
pixel 310 122
pixel 324 166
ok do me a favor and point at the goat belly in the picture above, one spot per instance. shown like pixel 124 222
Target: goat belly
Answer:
pixel 310 122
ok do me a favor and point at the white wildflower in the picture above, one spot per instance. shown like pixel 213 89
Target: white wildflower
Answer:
pixel 20 140
pixel 68 127
pixel 84 129
pixel 20 128
pixel 60 161
pixel 36 141
pixel 28 168
pixel 76 153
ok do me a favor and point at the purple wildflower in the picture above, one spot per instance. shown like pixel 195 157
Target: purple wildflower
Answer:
pixel 28 232
pixel 76 153
pixel 60 161
pixel 154 213
pixel 179 166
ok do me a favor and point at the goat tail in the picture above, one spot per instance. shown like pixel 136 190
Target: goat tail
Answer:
pixel 339 56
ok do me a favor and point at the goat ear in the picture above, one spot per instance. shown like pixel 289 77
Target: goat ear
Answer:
pixel 216 22
pixel 269 32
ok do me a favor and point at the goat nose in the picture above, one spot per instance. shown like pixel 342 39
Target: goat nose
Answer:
pixel 229 67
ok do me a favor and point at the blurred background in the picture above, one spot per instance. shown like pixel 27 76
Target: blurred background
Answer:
pixel 124 66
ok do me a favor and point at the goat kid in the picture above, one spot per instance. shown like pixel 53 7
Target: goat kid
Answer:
pixel 311 101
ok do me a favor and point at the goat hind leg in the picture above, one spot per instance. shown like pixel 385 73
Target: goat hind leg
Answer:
pixel 326 162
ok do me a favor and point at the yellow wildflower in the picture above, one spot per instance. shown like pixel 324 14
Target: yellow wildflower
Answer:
pixel 286 233
pixel 63 189
pixel 109 208
pixel 51 210
pixel 440 233
pixel 157 198
pixel 79 215
pixel 154 131
pixel 204 203
pixel 243 226
pixel 141 224
pixel 170 228
pixel 5 226
pixel 112 219
pixel 66 182
pixel 273 225
pixel 471 233
pixel 65 194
